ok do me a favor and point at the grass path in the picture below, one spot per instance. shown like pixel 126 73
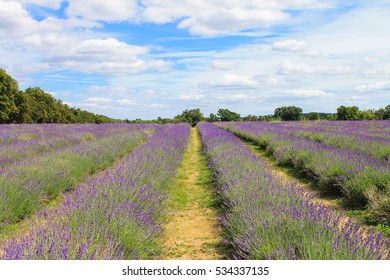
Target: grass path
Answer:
pixel 193 231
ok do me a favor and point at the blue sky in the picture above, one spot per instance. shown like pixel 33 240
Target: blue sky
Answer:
pixel 149 58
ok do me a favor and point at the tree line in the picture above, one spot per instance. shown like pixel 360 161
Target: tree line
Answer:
pixel 285 113
pixel 36 106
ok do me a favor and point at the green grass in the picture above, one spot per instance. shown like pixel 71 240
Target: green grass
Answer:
pixel 192 190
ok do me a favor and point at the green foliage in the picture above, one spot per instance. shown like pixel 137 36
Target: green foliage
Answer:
pixel 36 106
pixel 226 115
pixel 268 118
pixel 386 115
pixel 314 116
pixel 192 116
pixel 250 118
pixel 213 118
pixel 288 113
pixel 351 113
pixel 9 89
pixel 367 115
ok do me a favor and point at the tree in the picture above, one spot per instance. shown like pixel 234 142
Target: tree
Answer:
pixel 213 118
pixel 380 114
pixel 351 113
pixel 250 118
pixel 192 116
pixel 314 116
pixel 331 117
pixel 9 89
pixel 267 118
pixel 288 113
pixel 226 115
pixel 386 115
pixel 44 107
pixel 367 115
pixel 23 111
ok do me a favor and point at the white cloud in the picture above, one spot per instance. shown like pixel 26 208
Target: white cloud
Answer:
pixel 87 105
pixel 52 4
pixel 378 72
pixel 289 46
pixel 239 97
pixel 155 106
pixel 272 80
pixel 14 19
pixel 307 93
pixel 371 59
pixel 191 97
pixel 99 49
pixel 219 17
pixel 98 100
pixel 288 67
pixel 49 41
pixel 105 56
pixel 359 31
pixel 102 10
pixel 110 90
pixel 378 85
pixel 233 80
pixel 225 65
pixel 126 102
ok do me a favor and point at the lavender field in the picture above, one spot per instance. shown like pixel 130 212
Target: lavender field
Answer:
pixel 347 158
pixel 105 191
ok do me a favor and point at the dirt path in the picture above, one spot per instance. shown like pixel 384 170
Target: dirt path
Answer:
pixel 193 231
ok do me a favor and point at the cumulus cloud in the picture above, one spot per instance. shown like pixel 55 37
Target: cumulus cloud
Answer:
pixel 102 10
pixel 52 4
pixel 48 41
pixel 110 90
pixel 378 72
pixel 289 46
pixel 378 85
pixel 191 97
pixel 233 80
pixel 220 17
pixel 106 56
pixel 307 93
pixel 288 67
pixel 239 97
pixel 98 100
pixel 14 19
pixel 126 102
pixel 225 65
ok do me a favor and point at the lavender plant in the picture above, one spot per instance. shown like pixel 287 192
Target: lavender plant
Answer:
pixel 114 215
pixel 266 218
pixel 363 179
pixel 30 183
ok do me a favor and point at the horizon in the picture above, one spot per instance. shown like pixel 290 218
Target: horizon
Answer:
pixel 129 59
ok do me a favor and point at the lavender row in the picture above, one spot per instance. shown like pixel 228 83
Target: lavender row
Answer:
pixel 363 180
pixel 36 140
pixel 18 133
pixel 27 185
pixel 115 215
pixel 372 138
pixel 266 218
